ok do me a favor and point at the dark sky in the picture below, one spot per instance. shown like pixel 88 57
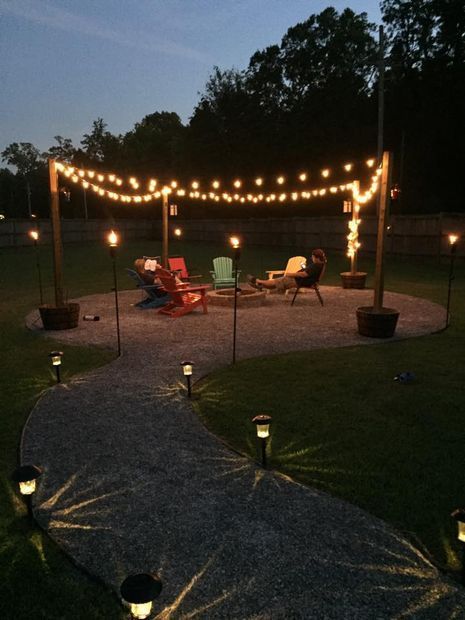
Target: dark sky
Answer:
pixel 64 63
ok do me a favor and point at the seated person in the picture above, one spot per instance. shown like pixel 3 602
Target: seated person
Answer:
pixel 304 277
pixel 148 276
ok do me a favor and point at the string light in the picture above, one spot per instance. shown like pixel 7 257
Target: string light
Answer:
pixel 370 163
pixel 79 175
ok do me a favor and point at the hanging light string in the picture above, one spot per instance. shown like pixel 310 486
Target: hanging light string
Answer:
pixel 82 176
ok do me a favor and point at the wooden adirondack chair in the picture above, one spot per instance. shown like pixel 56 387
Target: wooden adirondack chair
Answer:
pixel 178 264
pixel 315 287
pixel 293 264
pixel 156 296
pixel 223 274
pixel 183 299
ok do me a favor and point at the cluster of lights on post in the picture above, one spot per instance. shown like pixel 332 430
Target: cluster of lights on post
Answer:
pixel 90 179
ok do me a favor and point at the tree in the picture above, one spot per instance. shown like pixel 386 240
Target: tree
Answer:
pixel 63 151
pixel 100 145
pixel 155 145
pixel 27 159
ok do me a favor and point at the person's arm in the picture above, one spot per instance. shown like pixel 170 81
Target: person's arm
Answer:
pixel 297 274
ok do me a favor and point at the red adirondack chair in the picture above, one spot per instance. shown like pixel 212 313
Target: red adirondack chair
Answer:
pixel 177 263
pixel 184 299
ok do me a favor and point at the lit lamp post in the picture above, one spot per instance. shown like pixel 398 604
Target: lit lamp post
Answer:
pixel 187 371
pixel 453 251
pixel 113 243
pixel 262 422
pixel 459 516
pixel 236 245
pixel 34 234
pixel 139 592
pixel 26 476
pixel 55 357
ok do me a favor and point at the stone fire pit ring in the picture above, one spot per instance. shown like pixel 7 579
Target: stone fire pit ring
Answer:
pixel 246 298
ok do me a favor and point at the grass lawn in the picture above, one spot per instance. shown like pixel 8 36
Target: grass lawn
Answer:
pixel 340 423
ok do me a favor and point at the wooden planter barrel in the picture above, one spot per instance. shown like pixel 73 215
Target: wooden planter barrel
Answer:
pixel 62 317
pixel 353 280
pixel 377 324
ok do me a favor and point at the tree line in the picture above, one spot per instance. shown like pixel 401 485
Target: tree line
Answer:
pixel 306 102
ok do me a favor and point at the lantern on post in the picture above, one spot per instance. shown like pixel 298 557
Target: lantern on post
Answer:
pixel 187 372
pixel 139 592
pixel 236 246
pixel 26 476
pixel 113 241
pixel 34 234
pixel 395 192
pixel 262 423
pixel 453 239
pixel 55 358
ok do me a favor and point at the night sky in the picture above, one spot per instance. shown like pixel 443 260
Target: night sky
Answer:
pixel 65 63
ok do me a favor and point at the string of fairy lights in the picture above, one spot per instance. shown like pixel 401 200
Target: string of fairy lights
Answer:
pixel 92 180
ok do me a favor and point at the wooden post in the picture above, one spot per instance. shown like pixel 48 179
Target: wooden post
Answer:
pixel 56 233
pixel 355 217
pixel 382 223
pixel 380 102
pixel 164 257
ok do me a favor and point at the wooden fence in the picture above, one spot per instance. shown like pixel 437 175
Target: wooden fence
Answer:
pixel 408 235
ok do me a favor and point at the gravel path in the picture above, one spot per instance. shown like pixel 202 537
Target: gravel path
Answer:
pixel 134 482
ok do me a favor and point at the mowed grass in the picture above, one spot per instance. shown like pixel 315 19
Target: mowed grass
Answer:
pixel 340 422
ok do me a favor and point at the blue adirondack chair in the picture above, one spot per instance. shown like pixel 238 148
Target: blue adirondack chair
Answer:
pixel 152 300
pixel 223 273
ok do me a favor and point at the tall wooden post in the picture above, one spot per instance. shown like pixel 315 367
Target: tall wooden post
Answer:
pixel 355 217
pixel 56 233
pixel 164 257
pixel 380 102
pixel 383 218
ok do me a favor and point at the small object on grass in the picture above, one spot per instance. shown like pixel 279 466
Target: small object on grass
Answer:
pixel 405 377
pixel 91 317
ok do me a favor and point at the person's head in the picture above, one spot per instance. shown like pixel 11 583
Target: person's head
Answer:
pixel 139 265
pixel 318 256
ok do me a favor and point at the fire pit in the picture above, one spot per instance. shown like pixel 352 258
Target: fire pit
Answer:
pixel 246 297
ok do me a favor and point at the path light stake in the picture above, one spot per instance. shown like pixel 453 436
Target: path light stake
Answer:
pixel 26 476
pixel 236 245
pixel 139 592
pixel 55 357
pixel 113 243
pixel 187 371
pixel 262 423
pixel 453 251
pixel 459 516
pixel 34 234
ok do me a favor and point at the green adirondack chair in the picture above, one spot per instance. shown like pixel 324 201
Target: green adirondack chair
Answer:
pixel 223 274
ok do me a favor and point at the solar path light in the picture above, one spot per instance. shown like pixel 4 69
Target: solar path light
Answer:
pixel 26 476
pixel 139 592
pixel 55 358
pixel 187 372
pixel 262 423
pixel 459 516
